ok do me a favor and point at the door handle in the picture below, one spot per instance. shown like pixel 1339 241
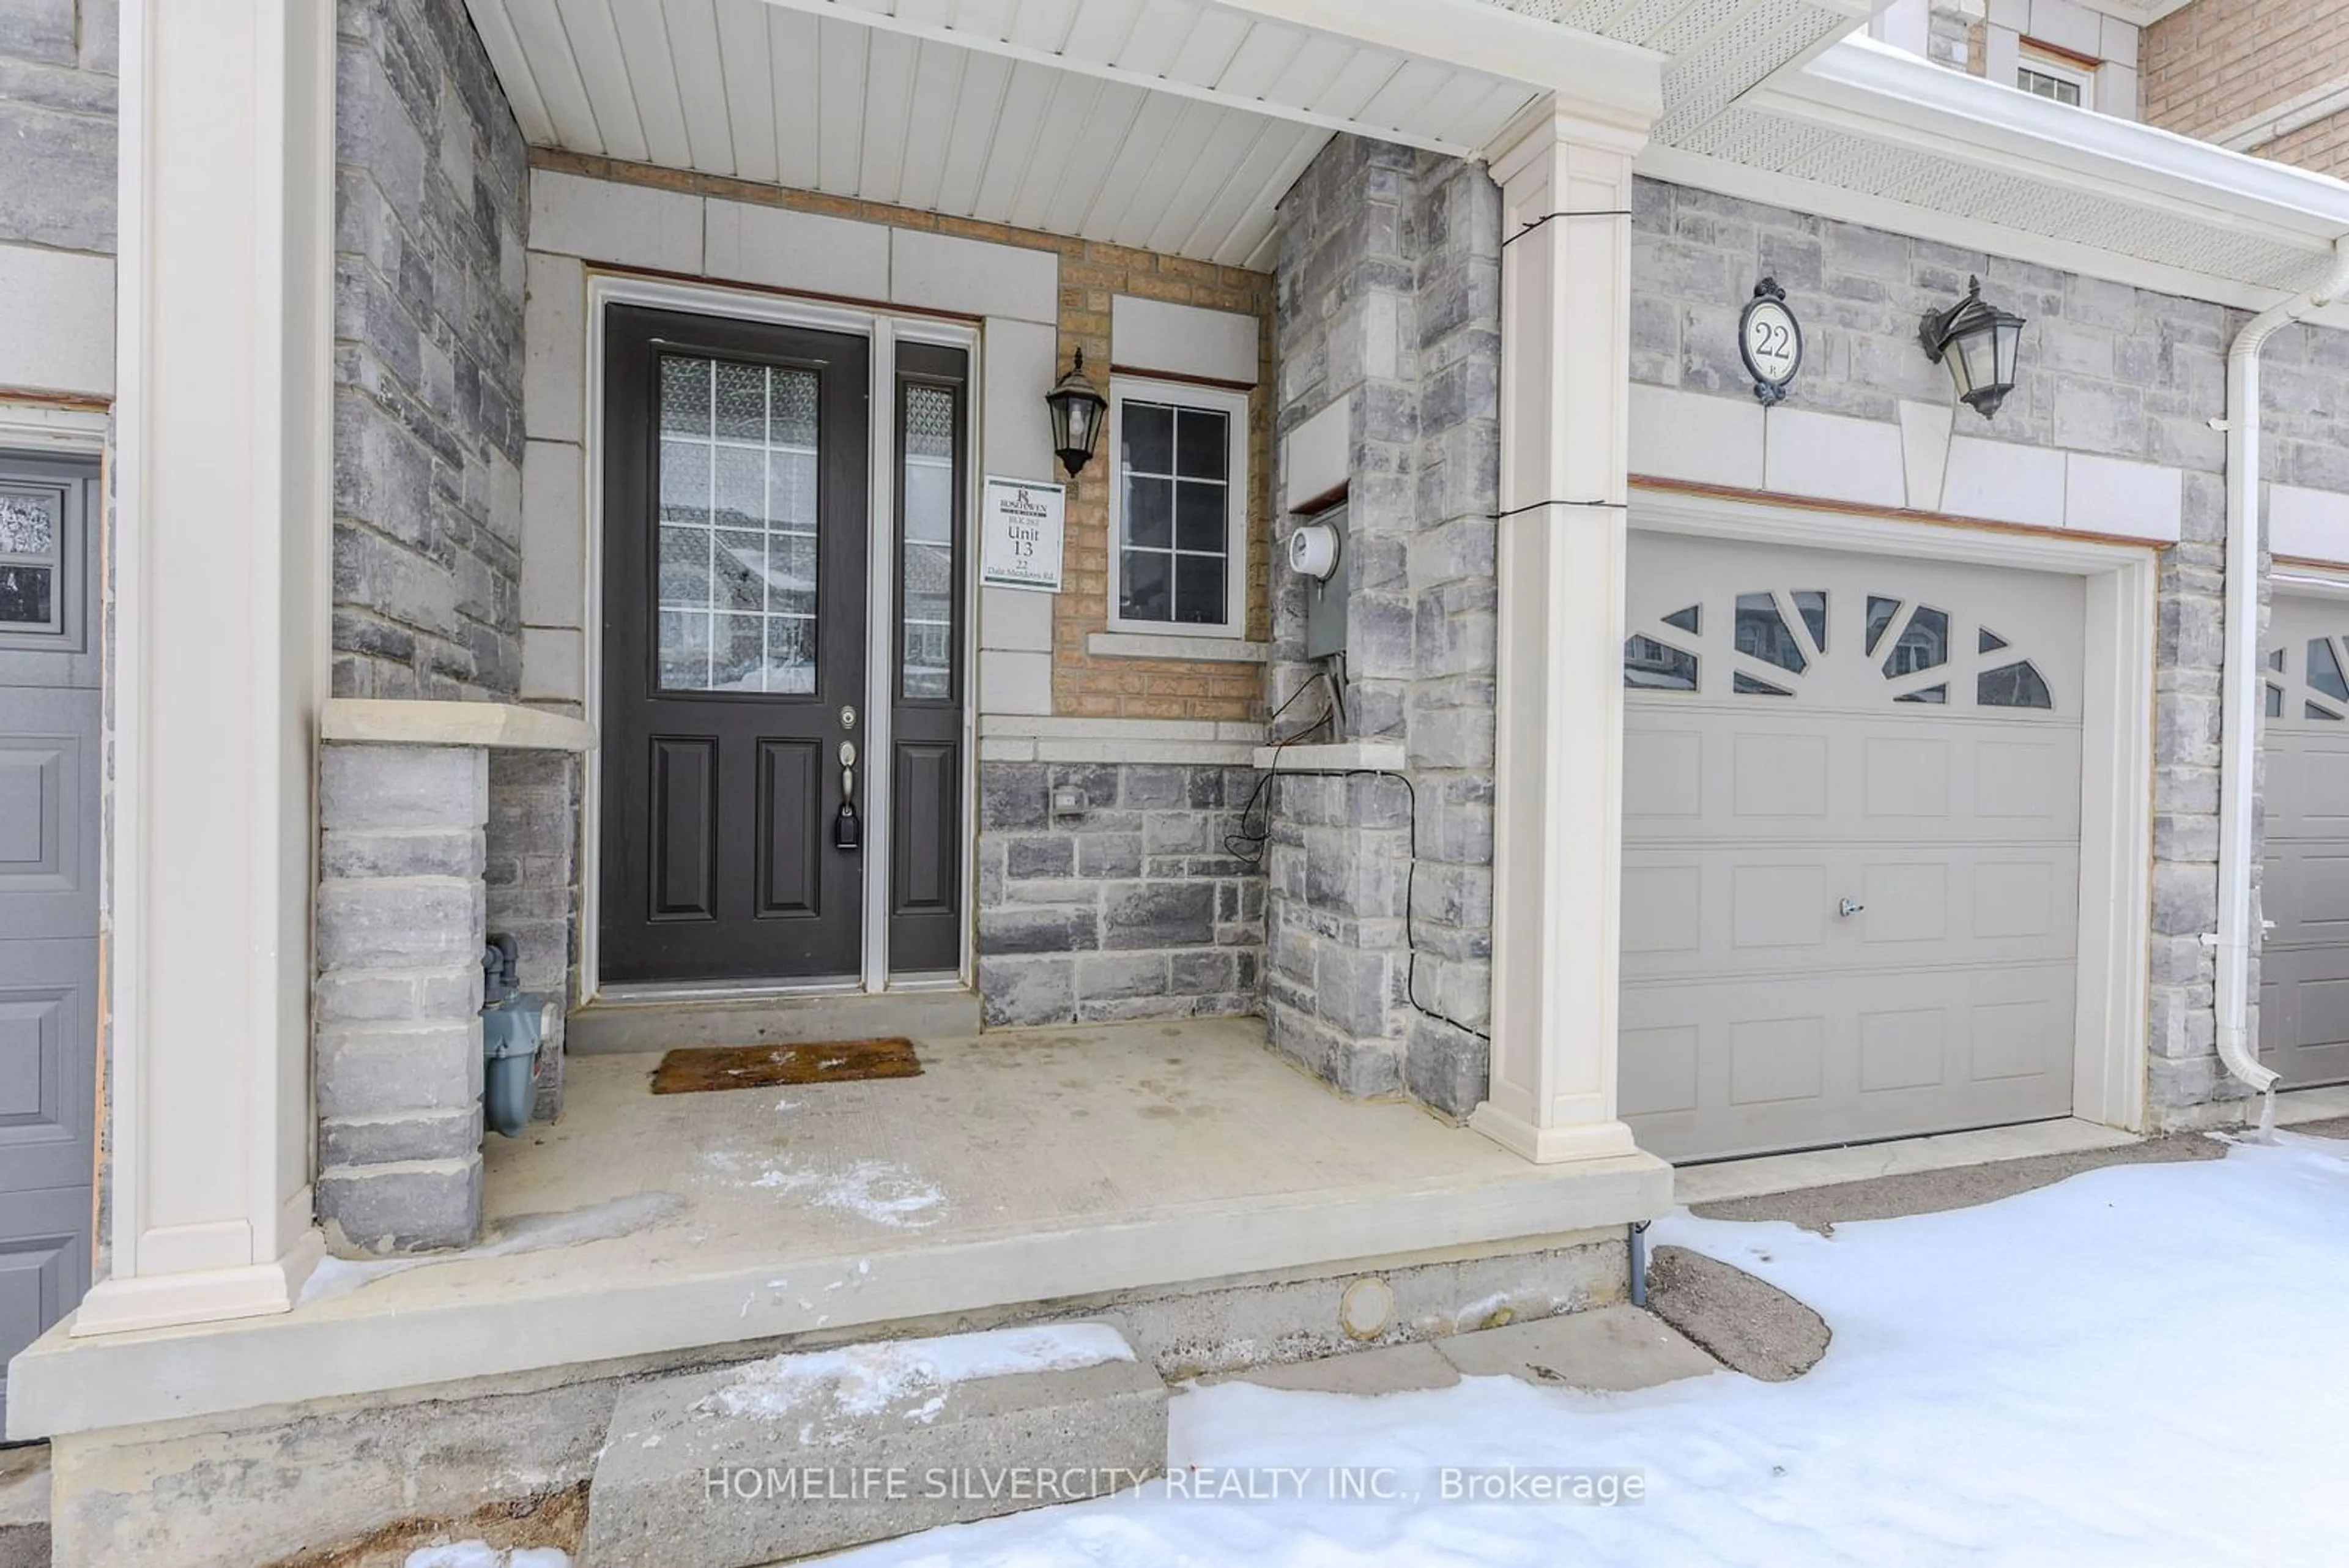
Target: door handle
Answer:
pixel 1848 909
pixel 847 832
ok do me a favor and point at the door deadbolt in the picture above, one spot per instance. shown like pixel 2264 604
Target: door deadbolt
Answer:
pixel 847 716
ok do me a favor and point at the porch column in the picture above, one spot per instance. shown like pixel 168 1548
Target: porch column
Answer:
pixel 221 511
pixel 1566 185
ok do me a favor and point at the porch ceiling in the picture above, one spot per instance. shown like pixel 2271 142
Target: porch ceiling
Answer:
pixel 1171 125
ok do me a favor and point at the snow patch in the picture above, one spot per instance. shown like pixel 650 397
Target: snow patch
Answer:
pixel 524 1233
pixel 825 1391
pixel 2027 1381
pixel 480 1554
pixel 876 1189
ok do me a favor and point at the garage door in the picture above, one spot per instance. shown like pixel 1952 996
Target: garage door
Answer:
pixel 2304 967
pixel 1851 857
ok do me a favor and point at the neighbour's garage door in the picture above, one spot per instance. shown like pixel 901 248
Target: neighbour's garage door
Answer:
pixel 1851 803
pixel 2304 966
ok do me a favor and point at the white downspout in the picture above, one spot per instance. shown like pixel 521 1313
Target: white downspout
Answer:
pixel 2241 694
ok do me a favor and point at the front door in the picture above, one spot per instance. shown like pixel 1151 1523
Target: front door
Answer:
pixel 735 604
pixel 50 704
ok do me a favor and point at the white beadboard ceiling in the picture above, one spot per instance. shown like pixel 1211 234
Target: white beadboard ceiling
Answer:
pixel 1163 124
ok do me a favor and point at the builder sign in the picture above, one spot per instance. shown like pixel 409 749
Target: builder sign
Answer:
pixel 1020 541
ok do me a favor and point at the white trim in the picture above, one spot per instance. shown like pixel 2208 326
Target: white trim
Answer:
pixel 28 427
pixel 880 651
pixel 882 329
pixel 1864 91
pixel 2110 1057
pixel 1197 649
pixel 1234 406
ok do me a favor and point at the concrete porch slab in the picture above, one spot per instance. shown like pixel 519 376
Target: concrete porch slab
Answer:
pixel 1020 1169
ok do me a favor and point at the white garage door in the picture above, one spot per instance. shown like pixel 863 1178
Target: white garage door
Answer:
pixel 2304 966
pixel 1851 847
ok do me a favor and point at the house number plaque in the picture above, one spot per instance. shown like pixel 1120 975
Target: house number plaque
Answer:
pixel 1771 340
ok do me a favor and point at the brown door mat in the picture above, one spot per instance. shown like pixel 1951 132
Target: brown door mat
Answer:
pixel 702 1068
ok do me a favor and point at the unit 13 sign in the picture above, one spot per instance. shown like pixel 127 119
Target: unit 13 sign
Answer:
pixel 1019 543
pixel 1771 339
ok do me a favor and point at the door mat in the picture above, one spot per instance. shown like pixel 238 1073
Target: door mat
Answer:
pixel 703 1068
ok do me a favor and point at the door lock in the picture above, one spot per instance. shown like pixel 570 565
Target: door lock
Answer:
pixel 1848 909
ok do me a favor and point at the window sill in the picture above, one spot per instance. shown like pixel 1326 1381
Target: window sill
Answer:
pixel 1179 646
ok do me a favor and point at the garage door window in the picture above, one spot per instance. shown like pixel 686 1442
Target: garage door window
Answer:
pixel 1779 641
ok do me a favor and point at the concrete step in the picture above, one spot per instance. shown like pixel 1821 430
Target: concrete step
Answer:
pixel 25 1506
pixel 669 1023
pixel 820 1450
pixel 1607 1349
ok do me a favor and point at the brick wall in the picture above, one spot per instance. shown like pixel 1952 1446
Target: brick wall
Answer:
pixel 1091 273
pixel 2218 66
pixel 1389 304
pixel 430 205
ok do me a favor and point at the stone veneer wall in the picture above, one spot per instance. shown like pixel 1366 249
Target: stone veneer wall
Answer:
pixel 431 204
pixel 2106 370
pixel 429 214
pixel 1390 301
pixel 58 108
pixel 1134 910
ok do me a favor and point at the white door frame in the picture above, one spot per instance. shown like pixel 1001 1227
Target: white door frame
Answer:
pixel 2120 580
pixel 883 331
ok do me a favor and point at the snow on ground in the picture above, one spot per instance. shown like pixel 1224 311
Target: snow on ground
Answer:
pixel 480 1554
pixel 825 1390
pixel 2142 1366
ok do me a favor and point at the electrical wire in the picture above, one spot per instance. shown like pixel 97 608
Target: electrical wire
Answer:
pixel 1409 942
pixel 1245 844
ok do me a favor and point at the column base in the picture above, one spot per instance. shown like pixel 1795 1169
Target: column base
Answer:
pixel 208 1295
pixel 1552 1146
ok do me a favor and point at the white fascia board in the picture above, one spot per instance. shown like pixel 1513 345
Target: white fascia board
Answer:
pixel 1888 94
pixel 1963 233
pixel 1607 78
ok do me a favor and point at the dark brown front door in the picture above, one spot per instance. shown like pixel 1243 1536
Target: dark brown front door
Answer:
pixel 735 599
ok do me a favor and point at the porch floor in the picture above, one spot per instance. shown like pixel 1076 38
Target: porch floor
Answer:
pixel 1018 1167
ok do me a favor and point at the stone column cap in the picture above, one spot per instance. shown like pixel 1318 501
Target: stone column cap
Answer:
pixel 401 722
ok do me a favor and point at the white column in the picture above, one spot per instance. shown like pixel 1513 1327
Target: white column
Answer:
pixel 1566 184
pixel 222 517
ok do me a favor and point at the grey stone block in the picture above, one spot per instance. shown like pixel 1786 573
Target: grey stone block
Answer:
pixel 1446 1068
pixel 376 789
pixel 1159 915
pixel 40 30
pixel 1108 976
pixel 409 924
pixel 451 1134
pixel 1037 929
pixel 429 852
pixel 1027 992
pixel 419 1207
pixel 386 1069
pixel 717 1467
pixel 56 185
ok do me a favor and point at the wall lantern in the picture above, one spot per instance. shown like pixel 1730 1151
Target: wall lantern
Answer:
pixel 1978 343
pixel 1077 406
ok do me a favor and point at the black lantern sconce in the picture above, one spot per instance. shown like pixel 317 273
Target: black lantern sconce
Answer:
pixel 1978 343
pixel 1077 408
